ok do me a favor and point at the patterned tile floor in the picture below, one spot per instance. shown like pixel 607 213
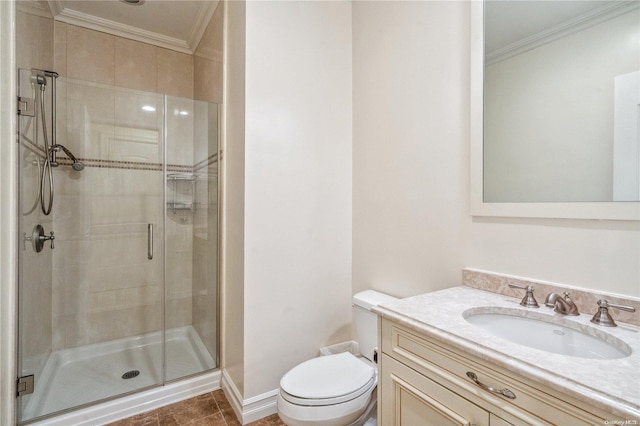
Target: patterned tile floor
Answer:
pixel 209 409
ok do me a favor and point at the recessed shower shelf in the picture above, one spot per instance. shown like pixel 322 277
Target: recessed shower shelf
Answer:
pixel 181 196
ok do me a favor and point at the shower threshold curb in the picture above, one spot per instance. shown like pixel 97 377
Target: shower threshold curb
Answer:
pixel 141 402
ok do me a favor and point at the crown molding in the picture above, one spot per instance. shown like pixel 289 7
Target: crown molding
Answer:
pixel 70 16
pixel 569 27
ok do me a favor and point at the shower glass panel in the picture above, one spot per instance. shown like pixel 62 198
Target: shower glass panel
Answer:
pixel 191 236
pixel 124 298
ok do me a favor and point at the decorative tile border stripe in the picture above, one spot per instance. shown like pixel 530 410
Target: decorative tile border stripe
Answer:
pixel 117 164
pixel 212 159
pixel 586 300
pixel 126 165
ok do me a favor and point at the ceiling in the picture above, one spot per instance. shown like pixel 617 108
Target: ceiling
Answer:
pixel 173 24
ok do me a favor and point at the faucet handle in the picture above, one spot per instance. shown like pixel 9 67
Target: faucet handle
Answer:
pixel 528 300
pixel 603 317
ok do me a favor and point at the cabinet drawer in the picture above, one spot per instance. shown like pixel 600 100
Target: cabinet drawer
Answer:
pixel 443 364
pixel 411 399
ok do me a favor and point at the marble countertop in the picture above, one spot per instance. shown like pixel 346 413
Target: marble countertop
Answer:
pixel 612 385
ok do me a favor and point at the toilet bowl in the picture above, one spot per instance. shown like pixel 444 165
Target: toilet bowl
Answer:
pixel 338 389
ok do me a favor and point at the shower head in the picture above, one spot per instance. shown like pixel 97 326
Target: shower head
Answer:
pixel 76 165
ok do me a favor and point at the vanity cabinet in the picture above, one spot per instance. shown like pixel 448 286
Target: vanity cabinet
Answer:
pixel 424 382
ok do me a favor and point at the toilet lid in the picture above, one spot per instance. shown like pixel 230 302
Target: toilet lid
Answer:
pixel 327 377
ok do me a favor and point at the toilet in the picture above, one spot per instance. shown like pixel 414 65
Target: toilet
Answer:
pixel 338 389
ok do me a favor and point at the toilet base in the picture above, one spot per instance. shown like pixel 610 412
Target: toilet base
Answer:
pixel 352 413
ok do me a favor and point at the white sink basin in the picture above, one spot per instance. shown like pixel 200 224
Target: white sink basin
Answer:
pixel 543 332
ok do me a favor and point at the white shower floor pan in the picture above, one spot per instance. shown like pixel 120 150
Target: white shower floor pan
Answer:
pixel 85 374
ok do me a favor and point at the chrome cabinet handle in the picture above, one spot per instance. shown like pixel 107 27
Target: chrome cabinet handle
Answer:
pixel 504 392
pixel 150 241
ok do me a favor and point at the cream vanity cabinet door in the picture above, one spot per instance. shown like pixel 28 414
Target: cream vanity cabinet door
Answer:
pixel 424 383
pixel 411 399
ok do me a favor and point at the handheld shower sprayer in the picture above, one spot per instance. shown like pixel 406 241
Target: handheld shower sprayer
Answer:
pixel 41 81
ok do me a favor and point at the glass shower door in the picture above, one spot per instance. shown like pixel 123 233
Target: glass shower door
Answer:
pixel 91 300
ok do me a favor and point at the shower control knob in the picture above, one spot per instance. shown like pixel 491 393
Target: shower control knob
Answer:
pixel 51 237
pixel 38 238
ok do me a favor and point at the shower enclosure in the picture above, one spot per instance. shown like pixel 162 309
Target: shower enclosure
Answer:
pixel 118 274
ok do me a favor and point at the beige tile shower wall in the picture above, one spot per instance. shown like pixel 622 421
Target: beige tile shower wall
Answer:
pixel 34 48
pixel 208 60
pixel 103 58
pixel 102 290
pixel 105 288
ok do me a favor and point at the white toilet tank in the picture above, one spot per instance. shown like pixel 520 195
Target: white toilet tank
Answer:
pixel 366 322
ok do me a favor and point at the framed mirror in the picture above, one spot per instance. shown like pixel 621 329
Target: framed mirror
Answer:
pixel 555 109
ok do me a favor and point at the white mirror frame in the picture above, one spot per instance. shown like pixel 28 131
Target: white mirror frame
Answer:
pixel 626 210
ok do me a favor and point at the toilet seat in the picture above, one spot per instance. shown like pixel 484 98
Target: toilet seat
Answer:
pixel 328 380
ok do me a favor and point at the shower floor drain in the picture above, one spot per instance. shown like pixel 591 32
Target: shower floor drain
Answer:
pixel 131 374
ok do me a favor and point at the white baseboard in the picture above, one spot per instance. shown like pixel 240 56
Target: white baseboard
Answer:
pixel 251 409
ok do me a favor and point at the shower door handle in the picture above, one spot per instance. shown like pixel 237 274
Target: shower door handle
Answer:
pixel 150 241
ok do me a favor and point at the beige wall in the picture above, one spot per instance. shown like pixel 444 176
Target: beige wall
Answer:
pixel 287 187
pixel 595 255
pixel 297 185
pixel 412 228
pixel 410 145
pixel 233 194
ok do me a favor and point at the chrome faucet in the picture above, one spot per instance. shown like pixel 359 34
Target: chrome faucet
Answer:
pixel 564 306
